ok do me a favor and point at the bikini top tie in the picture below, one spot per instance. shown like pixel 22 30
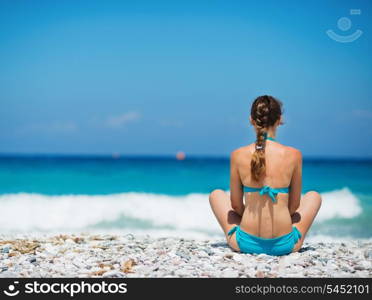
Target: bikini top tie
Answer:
pixel 271 192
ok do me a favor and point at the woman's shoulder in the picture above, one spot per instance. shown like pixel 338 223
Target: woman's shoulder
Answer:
pixel 242 151
pixel 247 151
pixel 293 152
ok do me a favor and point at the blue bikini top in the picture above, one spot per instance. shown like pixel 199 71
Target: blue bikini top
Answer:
pixel 269 138
pixel 271 192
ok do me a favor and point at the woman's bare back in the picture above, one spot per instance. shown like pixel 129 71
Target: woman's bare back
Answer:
pixel 261 216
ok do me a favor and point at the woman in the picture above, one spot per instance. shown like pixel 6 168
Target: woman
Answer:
pixel 274 218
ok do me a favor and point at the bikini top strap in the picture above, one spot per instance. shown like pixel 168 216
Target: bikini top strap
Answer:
pixel 271 192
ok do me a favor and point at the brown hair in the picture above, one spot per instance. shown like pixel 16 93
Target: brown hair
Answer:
pixel 265 112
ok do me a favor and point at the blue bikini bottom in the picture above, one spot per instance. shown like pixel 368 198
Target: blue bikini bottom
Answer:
pixel 280 245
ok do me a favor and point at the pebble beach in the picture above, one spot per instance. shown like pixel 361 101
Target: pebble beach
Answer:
pixel 122 256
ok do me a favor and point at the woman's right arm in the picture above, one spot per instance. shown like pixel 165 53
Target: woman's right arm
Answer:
pixel 296 184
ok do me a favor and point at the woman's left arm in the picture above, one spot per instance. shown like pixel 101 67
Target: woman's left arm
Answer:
pixel 236 187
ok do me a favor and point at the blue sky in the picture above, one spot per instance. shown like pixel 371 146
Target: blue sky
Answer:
pixel 155 77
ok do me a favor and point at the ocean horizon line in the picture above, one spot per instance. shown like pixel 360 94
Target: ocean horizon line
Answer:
pixel 131 156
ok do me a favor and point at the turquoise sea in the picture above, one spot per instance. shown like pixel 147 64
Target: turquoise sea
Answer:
pixel 160 195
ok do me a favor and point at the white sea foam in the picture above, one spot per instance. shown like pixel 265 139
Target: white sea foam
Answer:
pixel 34 211
pixel 339 204
pixel 163 214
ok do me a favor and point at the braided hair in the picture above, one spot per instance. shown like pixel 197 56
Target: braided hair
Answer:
pixel 265 112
